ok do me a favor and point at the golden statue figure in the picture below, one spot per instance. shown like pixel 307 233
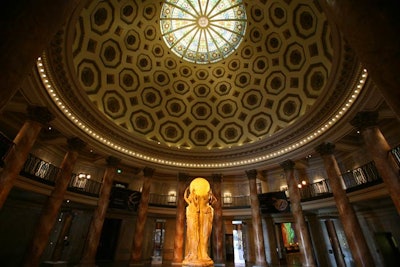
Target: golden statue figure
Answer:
pixel 199 218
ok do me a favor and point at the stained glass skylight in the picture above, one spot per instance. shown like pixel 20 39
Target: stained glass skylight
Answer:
pixel 203 31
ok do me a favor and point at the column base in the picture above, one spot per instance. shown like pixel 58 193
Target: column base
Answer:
pixel 219 264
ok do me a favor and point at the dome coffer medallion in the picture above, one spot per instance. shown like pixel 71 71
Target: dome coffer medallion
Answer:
pixel 132 78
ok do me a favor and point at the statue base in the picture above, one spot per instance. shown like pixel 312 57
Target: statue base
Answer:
pixel 197 263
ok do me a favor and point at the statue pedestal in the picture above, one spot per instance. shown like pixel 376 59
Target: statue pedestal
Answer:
pixel 198 263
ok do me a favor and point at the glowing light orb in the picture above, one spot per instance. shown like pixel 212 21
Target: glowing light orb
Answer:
pixel 201 186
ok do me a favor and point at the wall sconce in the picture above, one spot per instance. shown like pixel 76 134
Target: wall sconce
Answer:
pixel 84 176
pixel 80 180
pixel 171 197
pixel 227 198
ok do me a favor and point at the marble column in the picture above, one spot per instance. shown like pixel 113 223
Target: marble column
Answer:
pixel 372 29
pixel 180 220
pixel 270 240
pixel 67 218
pixel 351 226
pixel 27 30
pixel 317 237
pixel 136 255
pixel 379 149
pixel 96 225
pixel 302 233
pixel 38 117
pixel 218 235
pixel 337 250
pixel 256 219
pixel 53 204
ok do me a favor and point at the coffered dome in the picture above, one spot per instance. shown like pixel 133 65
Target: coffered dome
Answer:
pixel 115 74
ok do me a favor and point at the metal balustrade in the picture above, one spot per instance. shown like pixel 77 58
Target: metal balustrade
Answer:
pixel 360 177
pixel 315 190
pixel 84 185
pixel 396 154
pixel 170 201
pixel 363 176
pixel 236 201
pixel 162 200
pixel 45 172
pixel 40 170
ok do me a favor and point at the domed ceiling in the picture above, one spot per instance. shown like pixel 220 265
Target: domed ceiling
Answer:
pixel 112 64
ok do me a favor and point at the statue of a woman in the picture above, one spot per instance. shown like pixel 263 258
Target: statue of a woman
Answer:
pixel 192 224
pixel 199 218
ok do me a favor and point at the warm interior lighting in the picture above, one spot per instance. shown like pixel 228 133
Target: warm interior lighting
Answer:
pixel 203 31
pixel 201 186
pixel 227 198
pixel 51 88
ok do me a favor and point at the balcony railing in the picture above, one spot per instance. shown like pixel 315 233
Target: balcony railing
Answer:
pixel 87 186
pixel 396 154
pixel 236 202
pixel 361 177
pixel 162 200
pixel 316 190
pixel 364 176
pixel 170 201
pixel 45 172
pixel 40 170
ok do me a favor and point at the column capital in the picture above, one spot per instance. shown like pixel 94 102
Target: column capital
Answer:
pixel 287 165
pixel 148 172
pixel 217 178
pixel 325 149
pixel 113 161
pixel 251 174
pixel 39 114
pixel 365 119
pixel 75 144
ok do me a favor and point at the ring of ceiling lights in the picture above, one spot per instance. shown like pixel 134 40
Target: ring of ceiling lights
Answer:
pixel 203 31
pixel 117 146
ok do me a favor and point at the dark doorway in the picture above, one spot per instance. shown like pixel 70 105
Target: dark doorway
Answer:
pixel 229 247
pixel 108 240
pixel 388 248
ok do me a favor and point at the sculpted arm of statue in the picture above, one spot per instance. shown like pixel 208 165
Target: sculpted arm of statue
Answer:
pixel 185 195
pixel 212 198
